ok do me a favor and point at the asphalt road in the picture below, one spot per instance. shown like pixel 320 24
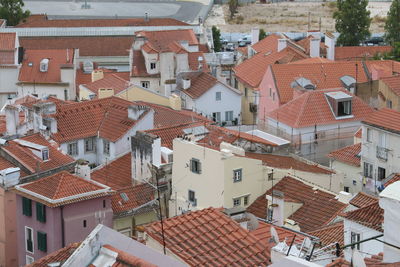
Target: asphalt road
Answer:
pixel 181 10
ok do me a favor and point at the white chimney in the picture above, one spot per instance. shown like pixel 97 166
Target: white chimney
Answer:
pixel 134 112
pixel 82 169
pixel 255 34
pixel 315 47
pixel 44 65
pixel 12 119
pixel 9 177
pixel 276 205
pixel 330 43
pixel 185 83
pixel 344 197
pixel 389 201
pixel 282 43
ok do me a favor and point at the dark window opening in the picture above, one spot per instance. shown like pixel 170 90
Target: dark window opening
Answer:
pixel 344 108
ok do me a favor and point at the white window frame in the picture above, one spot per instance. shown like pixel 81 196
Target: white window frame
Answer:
pixel 358 246
pixel 29 259
pixel 218 96
pixel 229 115
pixel 369 135
pixel 151 65
pixel 248 200
pixel 33 240
pixel 90 139
pixel 237 175
pixel 237 201
pixel 47 153
pixel 70 151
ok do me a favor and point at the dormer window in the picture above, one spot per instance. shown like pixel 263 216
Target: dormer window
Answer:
pixel 45 154
pixel 153 66
pixel 340 103
pixel 344 108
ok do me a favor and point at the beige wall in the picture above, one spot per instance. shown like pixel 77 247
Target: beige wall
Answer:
pixel 154 83
pixel 130 222
pixel 389 95
pixel 136 93
pixel 247 116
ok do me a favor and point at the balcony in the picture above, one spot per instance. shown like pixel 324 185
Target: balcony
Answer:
pixel 382 153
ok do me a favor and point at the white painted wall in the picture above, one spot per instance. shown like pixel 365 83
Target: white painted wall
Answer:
pixel 350 173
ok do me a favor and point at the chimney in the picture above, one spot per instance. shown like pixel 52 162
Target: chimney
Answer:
pixel 12 119
pixel 344 197
pixel 82 169
pixel 185 83
pixel 389 201
pixel 330 43
pixel 175 102
pixel 255 34
pixel 135 111
pixel 105 92
pixel 315 47
pixel 276 208
pixel 97 75
pixel 146 17
pixel 9 177
pixel 282 43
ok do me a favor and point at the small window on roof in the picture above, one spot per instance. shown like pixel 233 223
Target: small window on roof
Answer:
pixel 45 154
pixel 124 197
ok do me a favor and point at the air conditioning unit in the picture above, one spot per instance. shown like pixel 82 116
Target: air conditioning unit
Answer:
pixel 253 107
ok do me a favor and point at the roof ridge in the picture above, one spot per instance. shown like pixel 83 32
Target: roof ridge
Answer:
pixel 59 184
pixel 307 96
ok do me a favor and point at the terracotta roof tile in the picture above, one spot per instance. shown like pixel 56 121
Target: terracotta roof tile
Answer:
pixel 319 207
pixel 312 108
pixel 137 196
pixel 395 178
pixel 312 60
pixel 393 83
pixel 138 65
pixel 362 200
pixel 382 68
pixel 305 43
pixel 268 44
pixel 349 154
pixel 58 188
pixel 373 261
pixel 358 134
pixel 57 58
pixel 106 117
pixel 200 82
pixel 193 58
pixel 251 71
pixel 263 233
pixel 60 255
pixel 322 75
pixel 330 234
pixel 127 260
pixel 33 163
pixel 37 21
pixel 387 119
pixel 209 237
pixel 287 162
pixel 370 216
pixel 7 47
pixel 102 46
pixel 359 52
pixel 112 81
pixel 5 164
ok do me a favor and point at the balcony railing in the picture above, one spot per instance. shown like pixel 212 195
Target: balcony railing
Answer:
pixel 381 153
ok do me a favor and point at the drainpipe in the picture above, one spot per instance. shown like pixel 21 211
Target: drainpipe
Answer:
pixel 62 227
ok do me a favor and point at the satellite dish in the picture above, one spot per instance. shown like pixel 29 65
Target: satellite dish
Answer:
pixel 358 259
pixel 274 235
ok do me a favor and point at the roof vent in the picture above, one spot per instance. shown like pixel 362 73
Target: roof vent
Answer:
pixel 44 65
pixel 303 83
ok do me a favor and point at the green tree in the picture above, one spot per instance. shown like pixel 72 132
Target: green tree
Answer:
pixel 262 34
pixel 233 5
pixel 392 25
pixel 11 10
pixel 216 38
pixel 352 21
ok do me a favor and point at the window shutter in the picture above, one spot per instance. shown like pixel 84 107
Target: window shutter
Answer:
pixel 26 206
pixel 199 166
pixel 42 241
pixel 40 212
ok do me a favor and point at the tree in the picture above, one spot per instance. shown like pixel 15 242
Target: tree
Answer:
pixel 216 38
pixel 352 22
pixel 392 25
pixel 233 5
pixel 11 10
pixel 262 34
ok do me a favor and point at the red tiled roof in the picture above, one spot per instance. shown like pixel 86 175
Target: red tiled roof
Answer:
pixel 60 255
pixel 312 108
pixel 137 195
pixel 322 75
pixel 102 46
pixel 127 260
pixel 37 21
pixel 138 65
pixel 5 164
pixel 193 58
pixel 362 199
pixel 318 209
pixel 251 71
pixel 33 163
pixel 200 82
pixel 57 59
pixel 106 117
pixel 209 237
pixel 58 187
pixel 330 234
pixel 395 178
pixel 393 83
pixel 268 44
pixel 349 154
pixel 287 162
pixel 358 134
pixel 373 261
pixel 384 68
pixel 7 47
pixel 359 52
pixel 112 81
pixel 305 43
pixel 387 119
pixel 263 233
pixel 312 60
pixel 370 216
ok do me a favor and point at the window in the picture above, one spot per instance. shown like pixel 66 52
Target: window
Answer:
pixel 237 175
pixel 195 166
pixel 355 238
pixel 369 135
pixel 26 206
pixel 89 144
pixel 246 200
pixel 344 108
pixel 270 91
pixel 40 212
pixel 192 198
pixel 65 95
pixel 347 189
pixel 145 84
pixel 228 115
pixel 104 203
pixel 273 96
pixel 29 259
pixel 45 154
pixel 84 224
pixel 218 96
pixel 42 241
pixel 245 92
pixel 29 239
pixel 236 202
pixel 354 182
pixel 73 149
pixel 389 103
pixel 106 147
pixel 216 116
pixel 368 170
pixel 381 173
pixel 382 140
pixel 152 66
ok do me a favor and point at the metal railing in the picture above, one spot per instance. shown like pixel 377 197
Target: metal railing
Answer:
pixel 381 153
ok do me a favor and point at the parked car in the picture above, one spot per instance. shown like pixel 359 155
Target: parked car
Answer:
pixel 242 44
pixel 230 47
pixel 246 39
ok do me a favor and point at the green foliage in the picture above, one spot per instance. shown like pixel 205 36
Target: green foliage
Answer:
pixel 11 10
pixel 216 38
pixel 233 5
pixel 392 25
pixel 352 21
pixel 262 34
